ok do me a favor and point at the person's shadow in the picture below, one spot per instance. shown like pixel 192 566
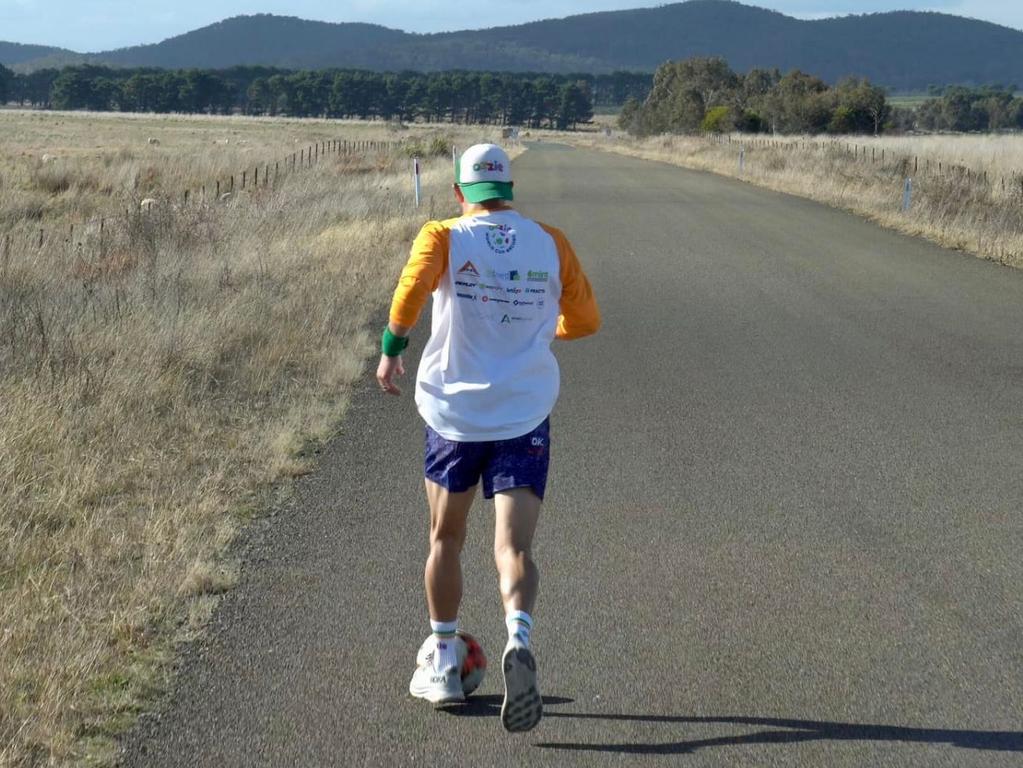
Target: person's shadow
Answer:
pixel 771 730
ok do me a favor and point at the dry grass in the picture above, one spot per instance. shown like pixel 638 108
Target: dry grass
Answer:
pixel 959 200
pixel 156 384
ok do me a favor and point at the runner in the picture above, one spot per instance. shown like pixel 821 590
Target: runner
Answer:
pixel 504 286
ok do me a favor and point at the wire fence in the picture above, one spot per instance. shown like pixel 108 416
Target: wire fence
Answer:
pixel 907 166
pixel 264 175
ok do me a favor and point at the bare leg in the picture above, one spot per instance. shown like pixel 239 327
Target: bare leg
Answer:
pixel 448 515
pixel 517 513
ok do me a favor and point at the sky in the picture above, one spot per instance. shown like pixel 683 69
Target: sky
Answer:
pixel 97 25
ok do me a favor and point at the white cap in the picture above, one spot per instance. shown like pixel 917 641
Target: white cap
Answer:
pixel 484 172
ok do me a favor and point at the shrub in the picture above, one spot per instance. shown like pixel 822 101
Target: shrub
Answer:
pixel 717 120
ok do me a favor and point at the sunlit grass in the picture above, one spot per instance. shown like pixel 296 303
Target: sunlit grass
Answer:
pixel 967 191
pixel 159 378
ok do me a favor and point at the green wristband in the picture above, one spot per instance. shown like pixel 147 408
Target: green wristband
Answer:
pixel 392 345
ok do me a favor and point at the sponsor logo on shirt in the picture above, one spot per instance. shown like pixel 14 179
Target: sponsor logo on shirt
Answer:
pixel 537 277
pixel 536 290
pixel 486 287
pixel 468 296
pixel 511 275
pixel 539 303
pixel 500 238
pixel 495 300
pixel 469 269
pixel 513 290
pixel 505 319
pixel 465 284
pixel 519 303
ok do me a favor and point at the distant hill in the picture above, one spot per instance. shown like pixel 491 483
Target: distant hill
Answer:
pixel 903 50
pixel 14 54
pixel 281 41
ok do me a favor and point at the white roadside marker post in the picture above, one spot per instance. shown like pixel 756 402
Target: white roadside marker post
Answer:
pixel 415 174
pixel 907 196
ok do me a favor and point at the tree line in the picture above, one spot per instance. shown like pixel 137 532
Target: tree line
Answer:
pixel 705 95
pixel 532 100
pixel 992 108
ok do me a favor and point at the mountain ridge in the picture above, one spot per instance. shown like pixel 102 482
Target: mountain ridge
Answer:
pixel 899 49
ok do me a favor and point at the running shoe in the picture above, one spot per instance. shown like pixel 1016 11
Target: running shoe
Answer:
pixel 438 686
pixel 523 707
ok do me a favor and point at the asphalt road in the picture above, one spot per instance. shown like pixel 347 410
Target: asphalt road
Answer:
pixel 783 527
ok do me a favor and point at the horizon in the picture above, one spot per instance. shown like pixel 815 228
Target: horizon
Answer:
pixel 190 15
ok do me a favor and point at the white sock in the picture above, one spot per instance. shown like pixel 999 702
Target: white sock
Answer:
pixel 519 625
pixel 445 633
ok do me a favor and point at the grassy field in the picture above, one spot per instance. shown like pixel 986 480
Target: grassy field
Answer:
pixel 161 376
pixel 967 190
pixel 908 100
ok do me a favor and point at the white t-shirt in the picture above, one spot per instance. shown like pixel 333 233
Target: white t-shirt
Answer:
pixel 488 372
pixel 503 286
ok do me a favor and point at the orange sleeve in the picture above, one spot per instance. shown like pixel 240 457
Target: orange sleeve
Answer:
pixel 426 266
pixel 579 314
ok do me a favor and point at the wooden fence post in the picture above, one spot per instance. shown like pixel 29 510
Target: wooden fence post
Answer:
pixel 218 189
pixel 244 174
pixel 255 179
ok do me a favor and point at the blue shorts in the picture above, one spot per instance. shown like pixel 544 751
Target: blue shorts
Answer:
pixel 504 464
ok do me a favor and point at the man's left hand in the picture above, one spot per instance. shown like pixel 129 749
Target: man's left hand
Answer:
pixel 389 369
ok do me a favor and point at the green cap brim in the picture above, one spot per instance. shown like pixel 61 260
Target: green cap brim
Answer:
pixel 481 191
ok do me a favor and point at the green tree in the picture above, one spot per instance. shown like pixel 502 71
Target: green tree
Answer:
pixel 630 116
pixel 864 108
pixel 257 98
pixel 683 91
pixel 281 94
pixel 799 103
pixel 73 89
pixel 6 84
pixel 575 106
pixel 717 120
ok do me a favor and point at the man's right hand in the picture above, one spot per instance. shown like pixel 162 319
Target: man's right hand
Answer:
pixel 389 369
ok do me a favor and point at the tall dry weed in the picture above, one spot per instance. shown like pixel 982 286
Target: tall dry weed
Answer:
pixel 158 376
pixel 967 191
